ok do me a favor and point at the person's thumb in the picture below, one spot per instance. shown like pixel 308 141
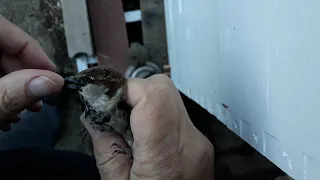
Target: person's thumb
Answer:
pixel 22 88
pixel 111 164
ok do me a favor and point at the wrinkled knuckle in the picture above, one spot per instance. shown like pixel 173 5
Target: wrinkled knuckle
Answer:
pixel 164 78
pixel 161 79
pixel 7 102
pixel 167 80
pixel 159 88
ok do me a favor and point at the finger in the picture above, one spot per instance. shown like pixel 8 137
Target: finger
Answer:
pixel 5 124
pixel 9 64
pixel 36 107
pixel 6 127
pixel 14 119
pixel 11 119
pixel 111 165
pixel 154 117
pixel 16 42
pixel 23 88
pixel 135 90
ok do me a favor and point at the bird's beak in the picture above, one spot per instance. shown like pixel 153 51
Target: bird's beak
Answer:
pixel 71 83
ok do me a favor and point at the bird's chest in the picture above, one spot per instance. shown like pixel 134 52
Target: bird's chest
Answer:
pixel 104 112
pixel 100 103
pixel 113 120
pixel 96 96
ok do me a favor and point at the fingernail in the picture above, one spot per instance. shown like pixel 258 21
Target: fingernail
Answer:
pixel 41 86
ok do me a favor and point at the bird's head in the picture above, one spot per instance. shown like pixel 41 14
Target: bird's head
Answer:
pixel 98 84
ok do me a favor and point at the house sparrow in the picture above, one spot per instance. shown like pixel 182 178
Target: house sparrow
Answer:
pixel 101 90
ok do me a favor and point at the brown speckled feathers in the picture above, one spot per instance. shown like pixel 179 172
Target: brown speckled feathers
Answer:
pixel 101 90
pixel 103 75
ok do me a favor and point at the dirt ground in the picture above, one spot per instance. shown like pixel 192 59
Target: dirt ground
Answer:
pixel 42 19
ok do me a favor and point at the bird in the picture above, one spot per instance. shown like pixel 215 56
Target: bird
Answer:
pixel 101 90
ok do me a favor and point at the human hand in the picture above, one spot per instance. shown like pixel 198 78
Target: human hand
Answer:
pixel 26 74
pixel 166 143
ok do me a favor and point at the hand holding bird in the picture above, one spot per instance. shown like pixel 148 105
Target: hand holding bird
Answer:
pixel 165 144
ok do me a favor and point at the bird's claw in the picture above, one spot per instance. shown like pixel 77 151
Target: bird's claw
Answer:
pixel 84 134
pixel 122 150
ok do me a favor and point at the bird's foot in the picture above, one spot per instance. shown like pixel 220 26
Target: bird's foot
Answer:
pixel 122 150
pixel 84 134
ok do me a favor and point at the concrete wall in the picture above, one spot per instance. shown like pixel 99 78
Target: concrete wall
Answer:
pixel 256 66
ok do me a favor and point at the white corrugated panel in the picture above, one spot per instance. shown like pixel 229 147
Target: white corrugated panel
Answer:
pixel 256 66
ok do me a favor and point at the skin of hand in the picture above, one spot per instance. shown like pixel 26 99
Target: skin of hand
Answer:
pixel 166 145
pixel 27 74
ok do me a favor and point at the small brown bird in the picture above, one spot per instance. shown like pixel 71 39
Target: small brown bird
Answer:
pixel 101 90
